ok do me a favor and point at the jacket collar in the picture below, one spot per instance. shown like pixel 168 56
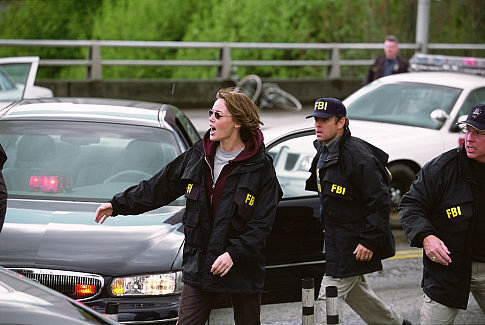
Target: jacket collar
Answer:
pixel 251 148
pixel 464 166
pixel 381 156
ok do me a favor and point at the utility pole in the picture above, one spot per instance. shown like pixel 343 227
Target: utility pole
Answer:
pixel 422 25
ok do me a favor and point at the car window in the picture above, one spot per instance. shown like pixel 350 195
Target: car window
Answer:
pixel 292 158
pixel 186 126
pixel 81 161
pixel 403 103
pixel 13 78
pixel 476 97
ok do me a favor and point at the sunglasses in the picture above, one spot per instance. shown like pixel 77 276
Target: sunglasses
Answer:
pixel 472 131
pixel 217 114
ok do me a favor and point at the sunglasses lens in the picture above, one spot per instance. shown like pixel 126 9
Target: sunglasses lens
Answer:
pixel 216 114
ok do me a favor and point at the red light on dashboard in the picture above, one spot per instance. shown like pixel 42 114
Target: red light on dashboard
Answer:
pixel 44 183
pixel 81 290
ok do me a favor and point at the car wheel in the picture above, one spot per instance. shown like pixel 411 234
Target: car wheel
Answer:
pixel 402 177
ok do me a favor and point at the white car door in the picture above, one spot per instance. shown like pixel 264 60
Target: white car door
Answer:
pixel 17 77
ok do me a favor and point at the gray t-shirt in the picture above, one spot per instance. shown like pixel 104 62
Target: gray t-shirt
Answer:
pixel 222 158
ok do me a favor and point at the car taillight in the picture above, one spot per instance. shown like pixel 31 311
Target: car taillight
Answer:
pixel 44 183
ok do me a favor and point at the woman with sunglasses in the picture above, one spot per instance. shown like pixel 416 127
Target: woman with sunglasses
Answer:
pixel 231 193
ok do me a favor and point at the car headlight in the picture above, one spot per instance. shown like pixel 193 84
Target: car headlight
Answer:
pixel 147 284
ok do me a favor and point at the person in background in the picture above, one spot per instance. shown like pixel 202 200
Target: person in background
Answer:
pixel 444 213
pixel 231 192
pixel 351 179
pixel 388 63
pixel 3 189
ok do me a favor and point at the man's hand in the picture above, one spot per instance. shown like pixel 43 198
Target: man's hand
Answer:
pixel 104 211
pixel 222 264
pixel 362 253
pixel 436 250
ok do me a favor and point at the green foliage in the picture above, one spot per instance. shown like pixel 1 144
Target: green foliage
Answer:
pixel 49 19
pixel 275 21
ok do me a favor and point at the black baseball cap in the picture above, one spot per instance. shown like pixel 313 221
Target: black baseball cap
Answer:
pixel 328 107
pixel 476 117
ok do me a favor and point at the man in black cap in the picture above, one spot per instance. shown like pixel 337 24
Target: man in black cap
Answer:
pixel 351 179
pixel 444 212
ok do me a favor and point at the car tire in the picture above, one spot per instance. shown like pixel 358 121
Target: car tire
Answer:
pixel 402 178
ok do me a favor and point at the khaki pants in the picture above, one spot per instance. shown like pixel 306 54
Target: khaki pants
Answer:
pixel 360 297
pixel 433 312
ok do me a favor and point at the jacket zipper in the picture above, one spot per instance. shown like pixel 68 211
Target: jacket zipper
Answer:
pixel 212 177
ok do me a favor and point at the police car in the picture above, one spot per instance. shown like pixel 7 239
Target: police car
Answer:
pixel 412 116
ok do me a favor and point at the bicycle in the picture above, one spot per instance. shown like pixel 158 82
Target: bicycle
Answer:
pixel 268 95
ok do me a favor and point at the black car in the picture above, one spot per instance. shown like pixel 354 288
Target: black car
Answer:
pixel 23 301
pixel 67 155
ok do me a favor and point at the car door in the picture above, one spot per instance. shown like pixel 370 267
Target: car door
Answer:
pixel 295 246
pixel 17 77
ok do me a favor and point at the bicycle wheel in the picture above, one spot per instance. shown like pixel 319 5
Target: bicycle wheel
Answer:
pixel 251 86
pixel 273 96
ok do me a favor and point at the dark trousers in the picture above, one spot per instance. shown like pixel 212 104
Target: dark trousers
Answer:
pixel 195 307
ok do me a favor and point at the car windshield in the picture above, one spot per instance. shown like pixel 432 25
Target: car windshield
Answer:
pixel 81 161
pixel 403 103
pixel 13 78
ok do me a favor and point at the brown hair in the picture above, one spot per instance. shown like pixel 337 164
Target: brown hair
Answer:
pixel 243 110
pixel 337 119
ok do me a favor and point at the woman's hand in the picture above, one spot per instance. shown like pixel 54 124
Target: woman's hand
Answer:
pixel 103 212
pixel 222 264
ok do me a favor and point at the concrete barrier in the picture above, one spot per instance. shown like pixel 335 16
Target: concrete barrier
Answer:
pixel 194 93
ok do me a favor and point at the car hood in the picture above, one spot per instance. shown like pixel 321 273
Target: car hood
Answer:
pixel 401 140
pixel 63 235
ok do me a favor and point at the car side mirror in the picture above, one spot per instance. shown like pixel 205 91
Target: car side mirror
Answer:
pixel 439 116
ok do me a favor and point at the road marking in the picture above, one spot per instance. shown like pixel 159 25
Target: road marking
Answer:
pixel 411 253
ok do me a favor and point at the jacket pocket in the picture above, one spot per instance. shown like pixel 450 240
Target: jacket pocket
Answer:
pixel 452 223
pixel 339 204
pixel 244 201
pixel 191 216
pixel 454 217
pixel 338 189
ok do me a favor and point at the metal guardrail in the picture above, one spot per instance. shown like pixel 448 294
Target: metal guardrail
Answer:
pixel 94 63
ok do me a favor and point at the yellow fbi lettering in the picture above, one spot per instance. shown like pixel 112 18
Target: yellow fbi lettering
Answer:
pixel 320 105
pixel 189 188
pixel 250 199
pixel 337 189
pixel 453 212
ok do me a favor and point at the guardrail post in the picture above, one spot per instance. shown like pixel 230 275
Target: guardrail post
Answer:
pixel 224 71
pixel 307 301
pixel 331 293
pixel 335 68
pixel 94 71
